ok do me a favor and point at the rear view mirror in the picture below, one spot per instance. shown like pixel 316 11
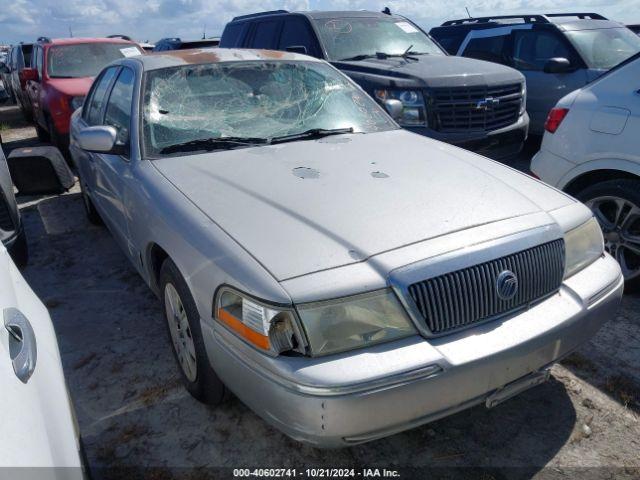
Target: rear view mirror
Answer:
pixel 558 65
pixel 297 49
pixel 100 139
pixel 394 108
pixel 28 74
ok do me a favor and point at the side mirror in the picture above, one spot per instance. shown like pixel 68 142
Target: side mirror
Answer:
pixel 100 139
pixel 28 74
pixel 394 108
pixel 296 49
pixel 558 65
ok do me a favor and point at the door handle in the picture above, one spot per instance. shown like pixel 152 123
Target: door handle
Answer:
pixel 22 343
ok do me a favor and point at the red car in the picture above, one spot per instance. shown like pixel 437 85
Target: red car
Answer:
pixel 61 73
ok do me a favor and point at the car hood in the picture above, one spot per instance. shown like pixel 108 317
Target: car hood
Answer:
pixel 73 87
pixel 432 71
pixel 308 206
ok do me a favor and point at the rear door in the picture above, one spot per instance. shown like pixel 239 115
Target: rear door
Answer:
pixel 264 34
pixel 531 50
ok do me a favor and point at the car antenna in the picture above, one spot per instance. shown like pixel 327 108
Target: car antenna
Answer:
pixel 204 31
pixel 468 12
pixel 386 11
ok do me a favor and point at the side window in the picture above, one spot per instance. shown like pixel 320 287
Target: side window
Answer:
pixel 296 33
pixel 118 112
pixel 93 109
pixel 532 49
pixel 491 49
pixel 264 34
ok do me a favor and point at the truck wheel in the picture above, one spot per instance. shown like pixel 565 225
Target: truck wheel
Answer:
pixel 616 206
pixel 19 251
pixel 89 208
pixel 183 325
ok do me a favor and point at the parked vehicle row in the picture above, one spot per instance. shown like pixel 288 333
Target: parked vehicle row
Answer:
pixel 319 261
pixel 18 59
pixel 557 53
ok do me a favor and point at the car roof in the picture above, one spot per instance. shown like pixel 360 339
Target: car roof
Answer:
pixel 562 21
pixel 78 40
pixel 316 14
pixel 195 56
pixel 573 25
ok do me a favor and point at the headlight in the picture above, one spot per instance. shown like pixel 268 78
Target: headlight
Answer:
pixel 271 329
pixel 583 245
pixel 354 322
pixel 414 112
pixel 76 103
pixel 523 105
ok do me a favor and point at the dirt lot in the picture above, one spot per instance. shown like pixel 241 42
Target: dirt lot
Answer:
pixel 133 412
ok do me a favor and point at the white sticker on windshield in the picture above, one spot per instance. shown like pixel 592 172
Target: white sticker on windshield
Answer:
pixel 407 27
pixel 129 52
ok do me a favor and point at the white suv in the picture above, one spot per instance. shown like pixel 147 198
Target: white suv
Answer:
pixel 591 149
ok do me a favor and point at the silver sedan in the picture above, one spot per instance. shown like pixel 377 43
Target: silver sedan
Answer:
pixel 345 278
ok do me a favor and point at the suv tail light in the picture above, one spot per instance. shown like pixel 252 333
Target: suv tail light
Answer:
pixel 556 115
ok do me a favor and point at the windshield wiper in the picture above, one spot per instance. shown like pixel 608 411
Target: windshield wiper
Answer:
pixel 311 134
pixel 357 58
pixel 220 143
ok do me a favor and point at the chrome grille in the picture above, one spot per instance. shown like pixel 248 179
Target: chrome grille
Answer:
pixel 6 223
pixel 464 297
pixel 457 109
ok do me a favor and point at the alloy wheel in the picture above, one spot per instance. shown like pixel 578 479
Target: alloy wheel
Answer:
pixel 620 222
pixel 180 332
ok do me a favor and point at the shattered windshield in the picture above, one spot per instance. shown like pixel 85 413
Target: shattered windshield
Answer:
pixel 251 100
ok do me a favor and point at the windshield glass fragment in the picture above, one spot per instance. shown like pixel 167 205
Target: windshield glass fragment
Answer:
pixel 250 101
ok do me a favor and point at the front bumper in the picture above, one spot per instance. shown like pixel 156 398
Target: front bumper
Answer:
pixel 496 144
pixel 359 396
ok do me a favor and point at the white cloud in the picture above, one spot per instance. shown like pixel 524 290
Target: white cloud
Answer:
pixel 25 20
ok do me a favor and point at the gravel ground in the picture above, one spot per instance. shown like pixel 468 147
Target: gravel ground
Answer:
pixel 133 412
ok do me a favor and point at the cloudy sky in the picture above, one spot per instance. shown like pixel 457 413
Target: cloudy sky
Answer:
pixel 153 19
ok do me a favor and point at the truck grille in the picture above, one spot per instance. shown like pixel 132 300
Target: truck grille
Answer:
pixel 6 223
pixel 464 297
pixel 476 108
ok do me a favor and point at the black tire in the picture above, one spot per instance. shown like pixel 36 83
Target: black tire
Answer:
pixel 625 189
pixel 207 387
pixel 19 250
pixel 89 208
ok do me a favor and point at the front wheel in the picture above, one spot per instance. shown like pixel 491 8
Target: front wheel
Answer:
pixel 183 325
pixel 616 206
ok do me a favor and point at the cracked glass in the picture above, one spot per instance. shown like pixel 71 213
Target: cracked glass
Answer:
pixel 252 99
